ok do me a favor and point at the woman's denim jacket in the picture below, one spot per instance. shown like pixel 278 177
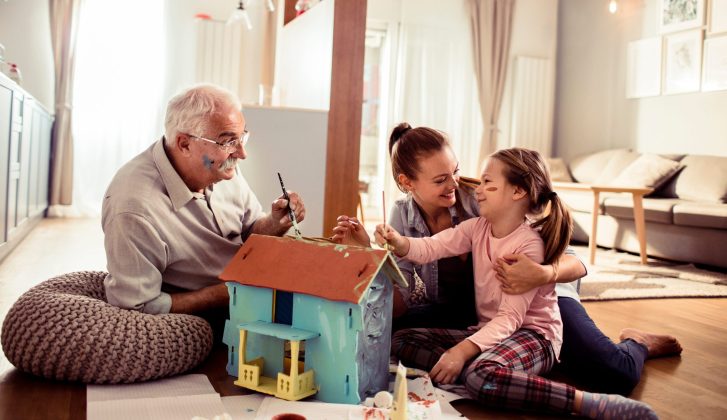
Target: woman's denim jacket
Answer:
pixel 407 219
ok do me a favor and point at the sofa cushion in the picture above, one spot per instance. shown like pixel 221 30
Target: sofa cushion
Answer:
pixel 582 201
pixel 614 167
pixel 601 166
pixel 657 210
pixel 701 214
pixel 647 171
pixel 669 188
pixel 559 170
pixel 704 178
pixel 673 156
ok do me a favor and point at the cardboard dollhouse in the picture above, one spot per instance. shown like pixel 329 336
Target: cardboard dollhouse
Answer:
pixel 333 301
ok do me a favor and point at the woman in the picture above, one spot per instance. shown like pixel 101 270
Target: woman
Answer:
pixel 426 169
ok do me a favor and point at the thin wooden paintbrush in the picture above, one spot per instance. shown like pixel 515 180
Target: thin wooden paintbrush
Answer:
pixel 383 204
pixel 290 211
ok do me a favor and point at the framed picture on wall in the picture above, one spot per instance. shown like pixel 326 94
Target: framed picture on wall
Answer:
pixel 715 64
pixel 643 72
pixel 677 15
pixel 683 62
pixel 718 16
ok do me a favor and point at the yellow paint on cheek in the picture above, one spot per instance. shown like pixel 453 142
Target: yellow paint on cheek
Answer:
pixel 491 189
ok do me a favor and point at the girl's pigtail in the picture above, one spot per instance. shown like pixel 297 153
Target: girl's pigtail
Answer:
pixel 556 229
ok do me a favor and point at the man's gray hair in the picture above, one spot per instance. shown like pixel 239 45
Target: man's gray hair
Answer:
pixel 189 111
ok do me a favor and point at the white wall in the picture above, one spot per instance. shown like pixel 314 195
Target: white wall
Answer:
pixel 304 59
pixel 25 33
pixel 592 112
pixel 383 10
pixel 292 142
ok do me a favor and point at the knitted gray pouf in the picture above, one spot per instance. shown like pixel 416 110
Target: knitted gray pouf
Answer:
pixel 64 329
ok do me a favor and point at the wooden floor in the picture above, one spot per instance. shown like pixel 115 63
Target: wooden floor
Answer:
pixel 693 386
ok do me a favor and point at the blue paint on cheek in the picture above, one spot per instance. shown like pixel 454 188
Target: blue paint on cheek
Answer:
pixel 207 162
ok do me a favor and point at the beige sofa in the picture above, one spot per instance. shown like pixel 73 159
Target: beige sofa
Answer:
pixel 685 215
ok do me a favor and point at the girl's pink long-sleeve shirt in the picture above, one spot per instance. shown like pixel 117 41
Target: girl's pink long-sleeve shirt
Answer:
pixel 499 313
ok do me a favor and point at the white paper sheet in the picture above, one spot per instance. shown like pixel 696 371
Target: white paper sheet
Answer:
pixel 422 388
pixel 185 407
pixel 243 407
pixel 188 396
pixel 181 397
pixel 194 384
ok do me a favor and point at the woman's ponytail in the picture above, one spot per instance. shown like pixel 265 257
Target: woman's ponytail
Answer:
pixel 397 134
pixel 408 145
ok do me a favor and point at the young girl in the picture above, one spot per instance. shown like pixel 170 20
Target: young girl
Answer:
pixel 518 336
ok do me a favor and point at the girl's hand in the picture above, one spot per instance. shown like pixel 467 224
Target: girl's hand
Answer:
pixel 450 364
pixel 350 231
pixel 386 235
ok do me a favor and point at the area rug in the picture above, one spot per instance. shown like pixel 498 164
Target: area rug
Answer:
pixel 620 275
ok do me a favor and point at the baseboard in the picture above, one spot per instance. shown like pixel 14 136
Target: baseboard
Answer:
pixel 19 233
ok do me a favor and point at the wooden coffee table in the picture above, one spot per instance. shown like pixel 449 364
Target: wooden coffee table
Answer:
pixel 637 195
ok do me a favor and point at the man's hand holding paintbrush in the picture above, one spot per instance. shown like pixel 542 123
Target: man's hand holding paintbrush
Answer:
pixel 288 209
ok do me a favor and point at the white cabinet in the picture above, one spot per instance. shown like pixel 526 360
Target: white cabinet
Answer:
pixel 25 136
pixel 6 104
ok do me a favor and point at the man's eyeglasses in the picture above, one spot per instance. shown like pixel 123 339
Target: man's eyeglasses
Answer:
pixel 227 145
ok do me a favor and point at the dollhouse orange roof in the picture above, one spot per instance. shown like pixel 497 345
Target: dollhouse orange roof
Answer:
pixel 322 269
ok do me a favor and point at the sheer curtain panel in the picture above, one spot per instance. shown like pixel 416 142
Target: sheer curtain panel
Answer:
pixel 491 33
pixel 63 23
pixel 118 92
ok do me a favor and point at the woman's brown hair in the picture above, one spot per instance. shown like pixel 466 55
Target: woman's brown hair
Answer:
pixel 526 169
pixel 407 145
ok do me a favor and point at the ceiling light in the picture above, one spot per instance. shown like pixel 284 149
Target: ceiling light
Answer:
pixel 240 16
pixel 612 6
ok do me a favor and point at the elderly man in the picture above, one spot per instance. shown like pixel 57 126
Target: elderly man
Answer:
pixel 174 215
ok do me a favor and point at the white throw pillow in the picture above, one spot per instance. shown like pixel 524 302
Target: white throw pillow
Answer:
pixel 558 170
pixel 588 168
pixel 647 171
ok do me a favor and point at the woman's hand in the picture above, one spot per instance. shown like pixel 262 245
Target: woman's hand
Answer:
pixel 350 231
pixel 386 236
pixel 450 364
pixel 518 274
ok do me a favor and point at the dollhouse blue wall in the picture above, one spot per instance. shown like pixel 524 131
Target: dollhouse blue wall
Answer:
pixel 332 355
pixel 248 304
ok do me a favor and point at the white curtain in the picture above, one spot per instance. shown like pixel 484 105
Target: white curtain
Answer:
pixel 491 32
pixel 435 82
pixel 118 92
pixel 64 24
